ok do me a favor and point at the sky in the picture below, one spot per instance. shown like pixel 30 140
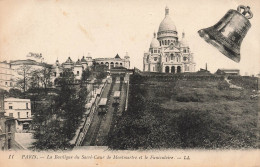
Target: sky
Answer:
pixel 62 28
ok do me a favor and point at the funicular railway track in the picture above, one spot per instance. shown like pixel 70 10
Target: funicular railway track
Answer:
pixel 103 122
pixel 94 137
pixel 101 119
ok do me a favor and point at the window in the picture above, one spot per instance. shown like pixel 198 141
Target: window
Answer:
pixel 9 144
pixel 18 114
pixel 27 114
pixel 153 68
pixel 27 106
pixel 11 84
pixel 55 74
pixel 11 107
pixel 5 83
pixel 155 51
pixel 77 72
pixel 171 56
pixel 155 59
pixel 11 115
pixel 9 127
pixel 166 59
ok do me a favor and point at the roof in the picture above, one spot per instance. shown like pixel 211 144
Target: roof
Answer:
pixel 78 62
pixel 223 69
pixel 12 99
pixel 117 94
pixel 167 23
pixel 154 43
pixel 69 60
pixel 103 101
pixel 83 59
pixel 117 56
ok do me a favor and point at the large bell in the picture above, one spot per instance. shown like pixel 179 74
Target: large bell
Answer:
pixel 229 32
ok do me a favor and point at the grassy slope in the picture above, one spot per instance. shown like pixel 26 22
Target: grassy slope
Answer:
pixel 187 114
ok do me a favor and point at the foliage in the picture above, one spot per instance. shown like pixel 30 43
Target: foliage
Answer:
pixel 57 121
pixel 25 72
pixel 85 75
pixel 186 114
pixel 15 93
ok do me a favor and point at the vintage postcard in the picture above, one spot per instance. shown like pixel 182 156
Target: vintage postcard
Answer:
pixel 129 83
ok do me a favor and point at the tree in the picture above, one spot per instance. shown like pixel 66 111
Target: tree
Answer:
pixel 57 121
pixel 35 79
pixel 25 72
pixel 85 75
pixel 15 93
pixel 45 76
pixel 41 77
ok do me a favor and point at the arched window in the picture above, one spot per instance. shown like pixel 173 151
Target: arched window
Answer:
pixel 173 69
pixel 171 56
pixel 166 59
pixel 101 63
pixel 178 69
pixel 111 65
pixel 167 69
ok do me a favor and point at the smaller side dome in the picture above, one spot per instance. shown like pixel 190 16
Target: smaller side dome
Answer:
pixel 155 43
pixel 78 62
pixel 83 59
pixel 69 61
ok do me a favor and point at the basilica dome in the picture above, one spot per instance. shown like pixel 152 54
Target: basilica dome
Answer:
pixel 167 24
pixel 155 43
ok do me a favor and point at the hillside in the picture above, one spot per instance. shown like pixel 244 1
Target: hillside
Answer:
pixel 181 111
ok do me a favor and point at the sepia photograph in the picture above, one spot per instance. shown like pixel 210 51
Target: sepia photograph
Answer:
pixel 129 83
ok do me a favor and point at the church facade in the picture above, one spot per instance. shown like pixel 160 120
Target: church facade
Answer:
pixel 167 53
